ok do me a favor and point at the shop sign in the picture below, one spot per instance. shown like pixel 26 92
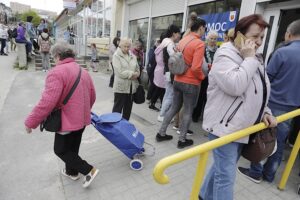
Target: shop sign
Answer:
pixel 220 22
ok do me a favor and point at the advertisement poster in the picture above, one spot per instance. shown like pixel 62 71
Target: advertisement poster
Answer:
pixel 220 22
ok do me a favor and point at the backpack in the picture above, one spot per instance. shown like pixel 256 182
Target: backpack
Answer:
pixel 45 44
pixel 14 33
pixel 176 62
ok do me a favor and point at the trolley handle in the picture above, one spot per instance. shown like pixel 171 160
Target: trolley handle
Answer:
pixel 153 150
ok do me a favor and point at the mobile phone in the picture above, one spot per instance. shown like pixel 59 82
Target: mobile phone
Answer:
pixel 238 39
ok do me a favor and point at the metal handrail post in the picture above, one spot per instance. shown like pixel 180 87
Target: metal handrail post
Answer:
pixel 290 163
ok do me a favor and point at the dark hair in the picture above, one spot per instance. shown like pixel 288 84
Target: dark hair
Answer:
pixel 226 32
pixel 244 23
pixel 115 41
pixel 294 28
pixel 172 29
pixel 197 24
pixel 69 53
pixel 43 20
pixel 29 18
pixel 45 30
pixel 162 36
pixel 93 45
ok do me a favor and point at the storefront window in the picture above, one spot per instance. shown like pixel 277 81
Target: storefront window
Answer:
pixel 161 24
pixel 138 30
pixel 216 7
pixel 100 24
pixel 107 3
pixel 107 22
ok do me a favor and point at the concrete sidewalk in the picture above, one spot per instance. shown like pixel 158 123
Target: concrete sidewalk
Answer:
pixel 30 170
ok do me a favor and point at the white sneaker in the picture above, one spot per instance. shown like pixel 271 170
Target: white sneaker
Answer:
pixel 88 179
pixel 160 118
pixel 74 178
pixel 175 127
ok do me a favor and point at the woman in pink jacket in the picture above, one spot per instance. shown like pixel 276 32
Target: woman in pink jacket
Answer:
pixel 75 115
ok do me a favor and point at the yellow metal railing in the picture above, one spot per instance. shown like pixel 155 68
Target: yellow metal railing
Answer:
pixel 205 148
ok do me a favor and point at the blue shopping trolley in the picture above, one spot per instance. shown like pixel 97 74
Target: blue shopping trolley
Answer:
pixel 124 136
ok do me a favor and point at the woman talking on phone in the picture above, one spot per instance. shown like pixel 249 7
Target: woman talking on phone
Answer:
pixel 237 97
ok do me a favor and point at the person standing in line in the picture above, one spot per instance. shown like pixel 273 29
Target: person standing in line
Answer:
pixel 283 71
pixel 3 38
pixel 112 49
pixel 237 97
pixel 45 43
pixel 210 50
pixel 75 115
pixel 186 86
pixel 127 72
pixel 138 51
pixel 167 48
pixel 150 69
pixel 12 34
pixel 31 33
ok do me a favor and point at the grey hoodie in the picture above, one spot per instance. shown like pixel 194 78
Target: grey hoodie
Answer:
pixel 235 92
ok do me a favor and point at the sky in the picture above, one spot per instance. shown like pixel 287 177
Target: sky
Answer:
pixel 51 5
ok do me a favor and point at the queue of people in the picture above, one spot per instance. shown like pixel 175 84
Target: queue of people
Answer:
pixel 229 85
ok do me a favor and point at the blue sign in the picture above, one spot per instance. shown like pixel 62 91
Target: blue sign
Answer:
pixel 220 22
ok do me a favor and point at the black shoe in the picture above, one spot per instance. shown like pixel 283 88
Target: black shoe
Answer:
pixel 245 172
pixel 153 108
pixel 186 143
pixel 195 119
pixel 200 198
pixel 5 54
pixel 166 137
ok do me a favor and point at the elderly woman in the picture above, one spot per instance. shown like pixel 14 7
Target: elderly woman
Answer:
pixel 75 114
pixel 237 97
pixel 210 50
pixel 126 74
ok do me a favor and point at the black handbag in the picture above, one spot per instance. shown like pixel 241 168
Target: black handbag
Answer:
pixel 53 122
pixel 139 95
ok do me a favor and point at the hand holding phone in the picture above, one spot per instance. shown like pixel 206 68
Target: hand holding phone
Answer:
pixel 246 46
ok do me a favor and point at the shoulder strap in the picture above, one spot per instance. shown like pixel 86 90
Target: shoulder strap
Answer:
pixel 264 100
pixel 188 43
pixel 73 88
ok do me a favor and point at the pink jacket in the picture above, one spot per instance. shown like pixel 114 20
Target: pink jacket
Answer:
pixel 59 81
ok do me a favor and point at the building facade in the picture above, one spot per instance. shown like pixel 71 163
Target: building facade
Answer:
pixel 19 8
pixel 145 20
pixel 5 14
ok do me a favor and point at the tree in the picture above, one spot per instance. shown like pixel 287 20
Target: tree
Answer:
pixel 36 18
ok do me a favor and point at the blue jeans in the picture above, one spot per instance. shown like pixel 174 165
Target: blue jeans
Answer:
pixel 219 182
pixel 269 168
pixel 168 99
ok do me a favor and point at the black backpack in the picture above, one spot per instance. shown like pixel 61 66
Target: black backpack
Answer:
pixel 14 33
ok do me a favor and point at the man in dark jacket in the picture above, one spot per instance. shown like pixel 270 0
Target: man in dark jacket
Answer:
pixel 283 71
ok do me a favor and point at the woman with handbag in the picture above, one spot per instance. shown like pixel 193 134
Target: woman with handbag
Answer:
pixel 69 90
pixel 127 72
pixel 237 93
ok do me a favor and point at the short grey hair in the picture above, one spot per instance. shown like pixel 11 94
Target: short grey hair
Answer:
pixel 212 33
pixel 125 41
pixel 62 50
pixel 294 28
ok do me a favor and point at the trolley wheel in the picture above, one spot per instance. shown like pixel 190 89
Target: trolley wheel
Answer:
pixel 136 164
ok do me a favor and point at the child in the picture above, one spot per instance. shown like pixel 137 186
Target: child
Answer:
pixel 94 57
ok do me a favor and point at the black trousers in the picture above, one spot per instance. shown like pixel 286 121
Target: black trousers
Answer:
pixel 198 110
pixel 151 89
pixel 66 147
pixel 123 104
pixel 157 93
pixel 3 45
